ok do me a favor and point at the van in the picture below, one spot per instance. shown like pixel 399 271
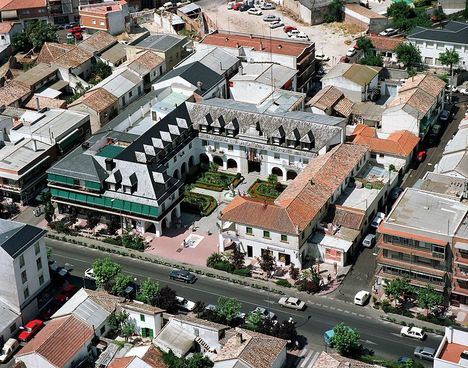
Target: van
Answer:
pixel 368 241
pixel 8 350
pixel 361 297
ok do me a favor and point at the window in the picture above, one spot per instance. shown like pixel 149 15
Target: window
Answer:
pixel 428 60
pixel 24 277
pixel 305 161
pixel 21 261
pixel 13 328
pixel 248 230
pixel 284 238
pixel 39 263
pixel 139 90
pixel 430 45
pixel 230 147
pixel 37 249
pixel 190 145
pixel 277 156
pixel 142 317
pixel 130 94
pixel 103 329
pixel 93 21
pixel 175 159
pixel 41 279
pixel 266 234
pixel 102 23
pixel 26 293
pixel 204 143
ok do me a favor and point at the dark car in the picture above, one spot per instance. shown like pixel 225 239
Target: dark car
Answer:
pixel 182 275
pixel 395 193
pixel 444 115
pixel 244 7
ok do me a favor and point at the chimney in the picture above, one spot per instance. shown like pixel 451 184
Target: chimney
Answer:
pixel 34 145
pixel 250 35
pixel 449 334
pixel 200 85
pixel 239 339
pixel 109 164
pixel 38 106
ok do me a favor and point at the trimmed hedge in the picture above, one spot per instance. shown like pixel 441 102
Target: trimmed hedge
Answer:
pixel 435 320
pixel 245 272
pixel 199 203
pixel 283 282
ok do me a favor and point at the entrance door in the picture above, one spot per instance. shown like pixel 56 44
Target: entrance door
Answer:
pixel 284 258
pixel 249 251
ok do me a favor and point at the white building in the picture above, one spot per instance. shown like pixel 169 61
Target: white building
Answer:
pixel 358 82
pixel 25 273
pixel 256 81
pixel 454 161
pixel 433 41
pixel 416 107
pixel 146 318
pixel 453 349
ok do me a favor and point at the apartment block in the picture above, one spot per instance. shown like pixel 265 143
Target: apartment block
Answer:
pixel 111 16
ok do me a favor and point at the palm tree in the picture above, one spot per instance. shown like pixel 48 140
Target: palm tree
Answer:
pixel 449 57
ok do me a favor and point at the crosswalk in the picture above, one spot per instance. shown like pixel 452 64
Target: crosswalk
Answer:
pixel 308 358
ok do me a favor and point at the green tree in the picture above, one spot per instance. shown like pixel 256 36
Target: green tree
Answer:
pixel 449 58
pixel 100 71
pixel 398 288
pixel 334 12
pixel 267 262
pixel 49 209
pixel 147 291
pixel 49 253
pixel 228 308
pixel 116 320
pixel 371 58
pixel 253 320
pixel 105 271
pixel 166 299
pixel 132 241
pixel 120 283
pixel 92 219
pixel 345 340
pixel 406 17
pixel 213 259
pixel 113 225
pixel 197 360
pixel 286 330
pixel 34 36
pixel 428 298
pixel 309 280
pixel 237 258
pixel 364 43
pixel 127 329
pixel 272 179
pixel 408 54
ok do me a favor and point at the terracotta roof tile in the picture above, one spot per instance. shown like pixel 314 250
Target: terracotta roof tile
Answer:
pixel 344 107
pixel 45 102
pixel 140 307
pixel 145 63
pixel 273 45
pixel 123 362
pixel 6 27
pixel 51 51
pixel 346 217
pixel 152 357
pixel 416 99
pixel 98 42
pixel 385 43
pixel 12 92
pixel 364 11
pixel 59 340
pixel 399 143
pixel 326 98
pixel 73 58
pixel 107 301
pixel 427 82
pixel 22 4
pixel 97 99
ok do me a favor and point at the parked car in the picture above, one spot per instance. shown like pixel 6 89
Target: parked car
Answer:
pixel 395 193
pixel 89 274
pixel 230 5
pixel 413 332
pixel 293 303
pixel 463 91
pixel 321 57
pixel 361 297
pixel 70 36
pixel 182 275
pixel 271 18
pixel 8 349
pixel 276 24
pixel 57 270
pixel 245 7
pixel 30 329
pixel 378 219
pixel 254 11
pixel 287 29
pixel 185 304
pixel 423 352
pixel 344 59
pixel 300 36
pixel 265 313
pixel 388 32
pixel 444 115
pixel 351 52
pixel 421 155
pixel 237 6
pixel 369 241
pixel 267 6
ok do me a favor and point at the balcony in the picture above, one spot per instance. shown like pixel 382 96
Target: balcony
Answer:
pixel 460 273
pixel 409 266
pixel 460 254
pixel 413 251
pixel 460 288
pixel 415 279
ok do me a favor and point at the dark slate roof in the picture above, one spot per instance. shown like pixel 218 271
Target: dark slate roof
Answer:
pixel 453 32
pixel 193 73
pixel 15 237
pixel 160 42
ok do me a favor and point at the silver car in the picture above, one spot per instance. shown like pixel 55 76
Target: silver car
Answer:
pixel 271 18
pixel 423 352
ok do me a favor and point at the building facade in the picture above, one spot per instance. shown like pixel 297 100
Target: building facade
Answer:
pixel 111 16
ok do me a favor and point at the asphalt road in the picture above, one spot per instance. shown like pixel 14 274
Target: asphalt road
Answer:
pixel 382 337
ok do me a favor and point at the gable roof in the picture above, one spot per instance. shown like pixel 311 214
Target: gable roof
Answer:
pixel 415 102
pixel 453 32
pixel 51 51
pixel 193 73
pixel 145 63
pixel 362 10
pixel 326 98
pixel 214 58
pixel 22 4
pixel 271 74
pixel 59 341
pixel 6 26
pixel 399 143
pixel 12 92
pixel 73 58
pixel 151 358
pixel 357 73
pixel 429 83
pixel 98 42
pixel 350 218
pixel 15 237
pixel 97 99
pixel 385 43
pixel 45 101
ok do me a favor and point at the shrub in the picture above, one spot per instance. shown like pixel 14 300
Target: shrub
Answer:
pixel 283 282
pixel 242 272
pixel 224 266
pixel 436 320
pixel 387 308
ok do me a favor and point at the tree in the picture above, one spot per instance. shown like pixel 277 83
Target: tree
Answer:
pixel 197 360
pixel 127 329
pixel 49 209
pixel 253 320
pixel 266 326
pixel 397 288
pixel 267 262
pixel 345 340
pixel 92 219
pixel 372 58
pixel 49 253
pixel 105 271
pixel 199 308
pixel 237 258
pixel 428 298
pixel 406 17
pixel 449 57
pixel 116 319
pixel 286 330
pixel 132 241
pixel 408 54
pixel 34 36
pixel 213 259
pixel 228 308
pixel 365 44
pixel 113 225
pixel 334 11
pixel 100 71
pixel 147 291
pixel 166 299
pixel 309 280
pixel 120 283
pixel 272 179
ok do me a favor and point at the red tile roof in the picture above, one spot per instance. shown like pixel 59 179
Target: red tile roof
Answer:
pixel 326 98
pixel 385 43
pixel 304 198
pixel 45 102
pixel 152 357
pixel 22 4
pixel 399 143
pixel 51 51
pixel 364 11
pixel 258 43
pixel 451 352
pixel 59 341
pixel 5 27
pixel 98 100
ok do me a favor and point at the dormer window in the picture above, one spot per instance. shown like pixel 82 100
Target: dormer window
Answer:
pixel 277 136
pixel 232 128
pixel 308 141
pixel 292 139
pixel 218 125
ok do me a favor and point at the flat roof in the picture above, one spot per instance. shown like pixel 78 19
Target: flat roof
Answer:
pixel 332 242
pixel 110 151
pixel 429 212
pixel 451 352
pixel 160 41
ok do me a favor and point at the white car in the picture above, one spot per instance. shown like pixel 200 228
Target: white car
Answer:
pixel 8 349
pixel 463 91
pixel 351 51
pixel 300 36
pixel 413 332
pixel 230 4
pixel 62 272
pixel 271 18
pixel 321 57
pixel 361 297
pixel 276 24
pixel 254 11
pixel 265 313
pixel 267 6
pixel 293 303
pixel 388 32
pixel 377 219
pixel 368 241
pixel 89 274
pixel 185 304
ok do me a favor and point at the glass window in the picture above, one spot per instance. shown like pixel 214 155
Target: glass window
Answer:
pixel 305 161
pixel 21 261
pixel 266 234
pixel 41 279
pixel 248 230
pixel 37 249
pixel 284 238
pixel 39 263
pixel 277 156
pixel 26 293
pixel 230 147
pixel 142 317
pixel 24 277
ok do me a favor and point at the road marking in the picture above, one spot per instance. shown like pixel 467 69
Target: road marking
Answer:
pixel 346 311
pixel 361 315
pixel 354 313
pixel 339 309
pixel 304 362
pixel 369 342
pixel 332 308
pixel 302 353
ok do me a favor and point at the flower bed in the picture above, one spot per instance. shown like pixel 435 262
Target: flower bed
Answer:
pixel 266 191
pixel 217 181
pixel 198 203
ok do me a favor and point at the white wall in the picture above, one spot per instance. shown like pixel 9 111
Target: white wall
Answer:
pixel 351 90
pixel 393 121
pixel 117 20
pixel 152 321
pixel 34 361
pixel 211 336
pixel 430 52
pixel 6 333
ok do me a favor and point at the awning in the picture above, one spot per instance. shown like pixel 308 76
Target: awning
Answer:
pixel 461 246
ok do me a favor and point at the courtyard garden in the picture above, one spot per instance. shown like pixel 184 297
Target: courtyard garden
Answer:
pixel 198 203
pixel 212 179
pixel 266 190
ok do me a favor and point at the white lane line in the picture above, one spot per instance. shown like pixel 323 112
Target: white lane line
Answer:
pixel 304 362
